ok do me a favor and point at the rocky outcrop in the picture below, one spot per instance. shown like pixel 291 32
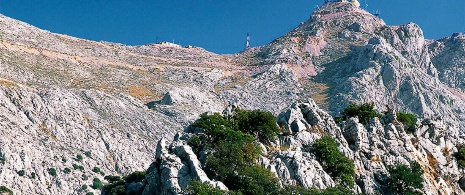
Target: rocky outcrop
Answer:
pixel 176 165
pixel 374 147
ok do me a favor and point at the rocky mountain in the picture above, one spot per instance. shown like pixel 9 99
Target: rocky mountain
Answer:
pixel 69 106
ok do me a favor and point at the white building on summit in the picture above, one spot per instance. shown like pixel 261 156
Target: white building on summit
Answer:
pixel 352 1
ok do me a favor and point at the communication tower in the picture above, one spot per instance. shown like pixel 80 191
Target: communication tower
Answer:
pixel 247 43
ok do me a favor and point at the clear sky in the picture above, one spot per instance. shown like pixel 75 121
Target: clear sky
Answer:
pixel 219 26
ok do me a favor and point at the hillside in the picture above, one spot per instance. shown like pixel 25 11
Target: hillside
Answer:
pixel 61 97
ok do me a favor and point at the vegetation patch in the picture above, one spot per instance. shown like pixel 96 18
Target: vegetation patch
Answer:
pixel 364 112
pixel 404 179
pixel 460 156
pixel 333 161
pixel 6 190
pixel 408 120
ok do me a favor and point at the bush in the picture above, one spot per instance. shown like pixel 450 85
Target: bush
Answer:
pixel 233 151
pixel 63 159
pixel 259 123
pixel 199 188
pixel 52 171
pixel 118 187
pixel 97 184
pixel 293 190
pixel 460 156
pixel 111 178
pixel 84 177
pixel 364 112
pixel 21 173
pixel 33 175
pixel 404 179
pixel 134 177
pixel 79 157
pixel 84 187
pixel 333 161
pixel 408 120
pixel 88 154
pixel 96 170
pixel 67 170
pixel 2 157
pixel 89 193
pixel 253 180
pixel 236 150
pixel 4 189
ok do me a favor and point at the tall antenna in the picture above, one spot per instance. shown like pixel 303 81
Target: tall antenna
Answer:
pixel 247 43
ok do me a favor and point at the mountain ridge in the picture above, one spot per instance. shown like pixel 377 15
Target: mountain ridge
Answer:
pixel 116 101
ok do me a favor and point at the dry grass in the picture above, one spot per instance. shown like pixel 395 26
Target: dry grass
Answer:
pixel 376 158
pixel 87 121
pixel 46 130
pixel 434 164
pixel 321 97
pixel 317 129
pixel 141 93
pixel 8 84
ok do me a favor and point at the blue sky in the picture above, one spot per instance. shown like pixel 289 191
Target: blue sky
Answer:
pixel 216 25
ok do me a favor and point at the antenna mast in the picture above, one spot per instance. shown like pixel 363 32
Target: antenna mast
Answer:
pixel 247 43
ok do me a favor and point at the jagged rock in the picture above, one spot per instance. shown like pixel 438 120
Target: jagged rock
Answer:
pixel 175 167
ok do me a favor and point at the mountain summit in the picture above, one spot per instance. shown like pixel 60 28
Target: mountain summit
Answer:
pixel 73 111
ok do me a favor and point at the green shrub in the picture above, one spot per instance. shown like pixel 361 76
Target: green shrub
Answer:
pixel 253 180
pixel 236 150
pixel 134 177
pixel 4 189
pixel 33 175
pixel 88 154
pixel 96 170
pixel 460 156
pixel 84 177
pixel 76 167
pixel 2 157
pixel 404 179
pixel 259 123
pixel 293 190
pixel 84 187
pixel 67 170
pixel 97 184
pixel 364 112
pixel 233 151
pixel 52 171
pixel 79 157
pixel 89 193
pixel 21 173
pixel 63 159
pixel 111 178
pixel 199 188
pixel 333 161
pixel 408 120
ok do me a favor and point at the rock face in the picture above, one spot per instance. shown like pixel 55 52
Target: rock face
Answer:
pixel 62 96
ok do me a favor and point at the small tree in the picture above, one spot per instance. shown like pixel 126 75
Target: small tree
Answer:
pixel 4 189
pixel 460 156
pixel 259 123
pixel 408 120
pixel 364 112
pixel 97 184
pixel 404 179
pixel 199 188
pixel 333 161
